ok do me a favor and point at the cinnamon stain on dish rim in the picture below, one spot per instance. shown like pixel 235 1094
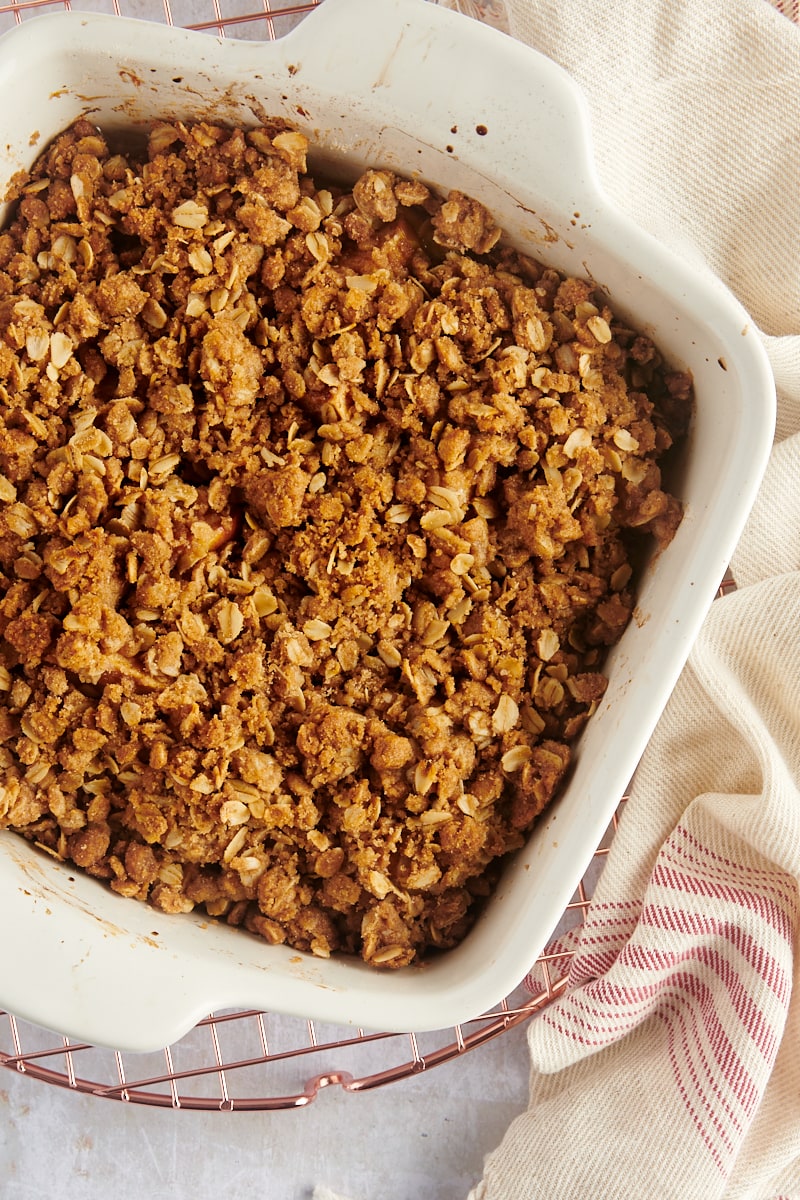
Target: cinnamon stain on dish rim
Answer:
pixel 45 890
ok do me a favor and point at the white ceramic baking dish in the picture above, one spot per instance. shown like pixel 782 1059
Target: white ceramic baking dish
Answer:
pixel 404 84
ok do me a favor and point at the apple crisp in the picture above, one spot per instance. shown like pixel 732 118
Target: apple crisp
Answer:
pixel 319 508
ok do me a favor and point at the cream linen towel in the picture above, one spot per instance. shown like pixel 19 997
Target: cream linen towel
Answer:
pixel 671 1068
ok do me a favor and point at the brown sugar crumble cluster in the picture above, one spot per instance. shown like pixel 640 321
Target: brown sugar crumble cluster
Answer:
pixel 317 513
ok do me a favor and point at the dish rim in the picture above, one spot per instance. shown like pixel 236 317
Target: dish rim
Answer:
pixel 392 1006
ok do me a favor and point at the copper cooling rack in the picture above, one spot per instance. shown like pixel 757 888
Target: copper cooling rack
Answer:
pixel 248 1060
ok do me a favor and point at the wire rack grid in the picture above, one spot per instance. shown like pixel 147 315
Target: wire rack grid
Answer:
pixel 248 1060
pixel 250 19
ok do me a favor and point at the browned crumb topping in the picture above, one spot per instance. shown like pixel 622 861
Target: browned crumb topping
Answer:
pixel 316 511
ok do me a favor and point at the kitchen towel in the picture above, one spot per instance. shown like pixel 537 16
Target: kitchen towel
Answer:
pixel 670 1068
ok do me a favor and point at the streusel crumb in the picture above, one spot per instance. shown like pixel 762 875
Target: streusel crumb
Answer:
pixel 318 510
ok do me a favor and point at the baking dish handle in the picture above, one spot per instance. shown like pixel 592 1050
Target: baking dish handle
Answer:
pixel 475 80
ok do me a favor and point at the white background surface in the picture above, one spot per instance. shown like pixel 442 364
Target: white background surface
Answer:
pixel 422 1138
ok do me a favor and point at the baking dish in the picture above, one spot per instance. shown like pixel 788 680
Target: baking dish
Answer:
pixel 392 83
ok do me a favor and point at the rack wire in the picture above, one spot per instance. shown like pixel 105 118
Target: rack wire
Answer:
pixel 246 19
pixel 239 1061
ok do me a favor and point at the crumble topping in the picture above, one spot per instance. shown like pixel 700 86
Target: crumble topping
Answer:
pixel 318 510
